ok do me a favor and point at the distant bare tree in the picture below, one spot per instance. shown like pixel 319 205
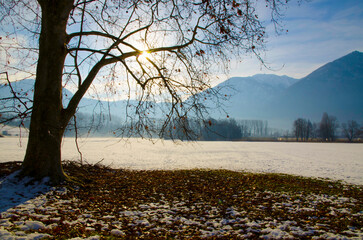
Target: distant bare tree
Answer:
pixel 328 127
pixel 298 128
pixel 314 130
pixel 351 130
pixel 308 130
pixel 302 129
pixel 165 50
pixel 286 135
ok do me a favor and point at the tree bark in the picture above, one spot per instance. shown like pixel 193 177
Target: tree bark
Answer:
pixel 43 154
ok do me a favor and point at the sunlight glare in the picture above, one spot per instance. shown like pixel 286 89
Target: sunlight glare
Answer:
pixel 144 56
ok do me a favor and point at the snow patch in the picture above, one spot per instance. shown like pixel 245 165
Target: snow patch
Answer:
pixel 117 232
pixel 32 225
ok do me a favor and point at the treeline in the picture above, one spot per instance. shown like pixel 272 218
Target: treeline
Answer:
pixel 231 129
pixel 254 128
pixel 192 129
pixel 220 130
pixel 99 125
pixel 327 130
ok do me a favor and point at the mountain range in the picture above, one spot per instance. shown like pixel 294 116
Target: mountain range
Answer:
pixel 335 88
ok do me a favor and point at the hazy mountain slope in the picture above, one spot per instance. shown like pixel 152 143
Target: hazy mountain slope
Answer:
pixel 248 95
pixel 25 88
pixel 21 88
pixel 336 88
pixel 92 111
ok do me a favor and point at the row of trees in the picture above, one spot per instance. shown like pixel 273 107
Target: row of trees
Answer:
pixel 220 130
pixel 98 124
pixel 303 129
pixel 231 129
pixel 327 129
pixel 207 130
pixel 253 128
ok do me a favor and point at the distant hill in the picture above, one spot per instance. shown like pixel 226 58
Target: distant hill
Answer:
pixel 87 105
pixel 336 88
pixel 248 95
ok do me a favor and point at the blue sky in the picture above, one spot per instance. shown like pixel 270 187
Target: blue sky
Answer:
pixel 319 31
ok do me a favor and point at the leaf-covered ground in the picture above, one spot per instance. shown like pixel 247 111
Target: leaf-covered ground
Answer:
pixel 187 204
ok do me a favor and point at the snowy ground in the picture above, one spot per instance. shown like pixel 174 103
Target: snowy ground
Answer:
pixel 338 161
pixel 42 212
pixel 160 217
pixel 27 212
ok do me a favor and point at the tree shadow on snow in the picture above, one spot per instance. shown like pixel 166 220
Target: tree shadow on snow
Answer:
pixel 15 191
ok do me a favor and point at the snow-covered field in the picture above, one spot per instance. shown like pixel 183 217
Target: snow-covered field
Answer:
pixel 336 161
pixel 33 211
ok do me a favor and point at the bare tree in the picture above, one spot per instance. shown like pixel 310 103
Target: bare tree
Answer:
pixel 314 130
pixel 308 130
pixel 328 127
pixel 302 129
pixel 160 50
pixel 285 135
pixel 351 130
pixel 298 128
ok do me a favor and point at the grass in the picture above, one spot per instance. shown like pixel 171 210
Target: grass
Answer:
pixel 203 196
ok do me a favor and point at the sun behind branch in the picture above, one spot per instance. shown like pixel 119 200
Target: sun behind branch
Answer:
pixel 144 56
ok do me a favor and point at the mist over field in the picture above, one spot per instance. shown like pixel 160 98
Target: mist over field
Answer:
pixel 337 161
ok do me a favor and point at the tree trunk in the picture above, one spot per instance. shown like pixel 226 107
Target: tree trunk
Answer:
pixel 43 154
